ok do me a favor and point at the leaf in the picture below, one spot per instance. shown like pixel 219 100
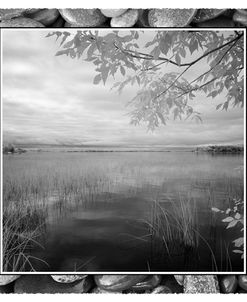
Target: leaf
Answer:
pixel 178 59
pixel 198 118
pixel 104 73
pixel 65 36
pixel 58 33
pixel 156 53
pixel 115 85
pixel 182 52
pixel 82 47
pixel 168 40
pixel 97 79
pixel 127 38
pixel 225 105
pixel 193 46
pixel 218 106
pixel 69 44
pixel 149 43
pixel 122 70
pixel 239 242
pixel 214 93
pixel 110 37
pixel 164 47
pixel 72 53
pixel 228 211
pixel 138 80
pixel 228 219
pixel 232 224
pixel 161 118
pixel 62 52
pixel 238 216
pixel 215 209
pixel 237 251
pixel 91 50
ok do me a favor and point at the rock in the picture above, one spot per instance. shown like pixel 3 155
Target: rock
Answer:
pixel 21 22
pixel 111 13
pixel 179 279
pixel 242 11
pixel 6 14
pixel 98 290
pixel 83 17
pixel 143 18
pixel 148 283
pixel 218 22
pixel 7 289
pixel 67 278
pixel 242 291
pixel 242 281
pixel 33 10
pixel 59 22
pixel 170 17
pixel 44 16
pixel 104 25
pixel 117 282
pixel 201 284
pixel 45 284
pixel 162 289
pixel 170 282
pixel 128 19
pixel 228 13
pixel 240 17
pixel 6 279
pixel 207 14
pixel 228 284
pixel 66 24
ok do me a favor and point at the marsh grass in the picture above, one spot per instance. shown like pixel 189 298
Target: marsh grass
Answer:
pixel 37 187
pixel 23 224
pixel 175 222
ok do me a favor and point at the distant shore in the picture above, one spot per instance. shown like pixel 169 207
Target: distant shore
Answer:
pixel 221 149
pixel 229 149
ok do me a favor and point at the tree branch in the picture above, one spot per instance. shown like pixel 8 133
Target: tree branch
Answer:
pixel 174 82
pixel 150 57
pixel 197 88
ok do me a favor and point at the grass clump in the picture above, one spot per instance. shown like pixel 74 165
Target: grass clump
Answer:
pixel 22 226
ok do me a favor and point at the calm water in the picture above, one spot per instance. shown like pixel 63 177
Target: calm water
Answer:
pixel 105 211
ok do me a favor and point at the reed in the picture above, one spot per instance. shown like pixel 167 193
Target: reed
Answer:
pixel 22 227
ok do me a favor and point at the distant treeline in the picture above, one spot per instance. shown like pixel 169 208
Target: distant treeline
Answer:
pixel 11 149
pixel 118 151
pixel 221 149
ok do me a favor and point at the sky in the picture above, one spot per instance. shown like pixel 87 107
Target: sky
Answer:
pixel 51 99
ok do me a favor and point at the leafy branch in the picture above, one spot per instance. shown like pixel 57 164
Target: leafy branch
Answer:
pixel 233 218
pixel 145 56
pixel 162 93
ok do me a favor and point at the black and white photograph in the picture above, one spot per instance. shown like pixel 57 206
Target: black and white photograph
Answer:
pixel 123 150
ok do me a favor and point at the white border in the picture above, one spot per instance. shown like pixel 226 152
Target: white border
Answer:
pixel 130 273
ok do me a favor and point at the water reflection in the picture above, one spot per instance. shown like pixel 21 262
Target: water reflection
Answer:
pixel 137 211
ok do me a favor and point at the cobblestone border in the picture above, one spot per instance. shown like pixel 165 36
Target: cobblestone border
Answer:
pixel 137 18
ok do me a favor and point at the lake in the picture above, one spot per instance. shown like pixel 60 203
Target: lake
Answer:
pixel 124 211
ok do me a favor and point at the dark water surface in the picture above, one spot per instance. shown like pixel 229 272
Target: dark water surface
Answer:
pixel 106 211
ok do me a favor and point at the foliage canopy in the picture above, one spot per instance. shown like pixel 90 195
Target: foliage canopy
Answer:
pixel 163 94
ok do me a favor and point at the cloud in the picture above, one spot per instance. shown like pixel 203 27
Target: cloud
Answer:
pixel 49 99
